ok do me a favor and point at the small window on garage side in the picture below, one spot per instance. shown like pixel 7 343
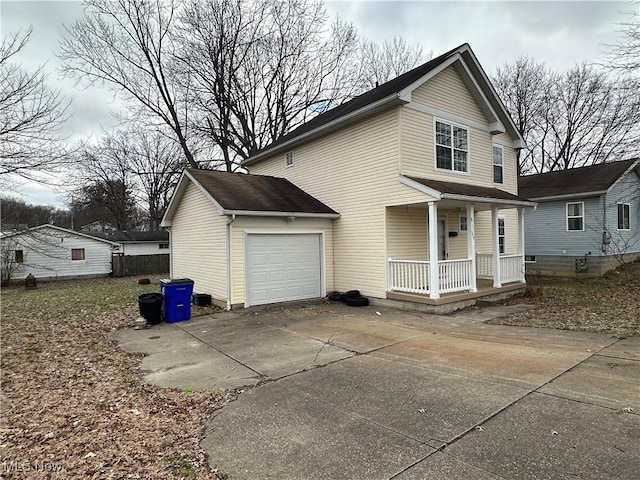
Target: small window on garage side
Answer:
pixel 19 258
pixel 530 259
pixel 163 246
pixel 77 254
pixel 288 159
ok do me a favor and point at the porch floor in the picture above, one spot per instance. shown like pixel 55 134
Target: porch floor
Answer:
pixel 485 289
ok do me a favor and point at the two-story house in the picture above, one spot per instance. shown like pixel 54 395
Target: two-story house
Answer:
pixel 407 193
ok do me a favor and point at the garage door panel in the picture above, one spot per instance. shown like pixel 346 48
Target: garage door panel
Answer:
pixel 282 267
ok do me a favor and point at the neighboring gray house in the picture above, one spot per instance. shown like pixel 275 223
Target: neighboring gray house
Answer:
pixel 587 219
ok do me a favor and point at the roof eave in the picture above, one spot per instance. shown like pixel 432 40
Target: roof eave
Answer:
pixel 326 128
pixel 261 213
pixel 568 196
pixel 491 200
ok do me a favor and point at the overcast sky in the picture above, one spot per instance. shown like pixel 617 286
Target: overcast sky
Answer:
pixel 558 33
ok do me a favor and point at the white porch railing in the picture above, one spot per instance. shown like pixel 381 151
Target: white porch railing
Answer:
pixel 484 265
pixel 511 267
pixel 412 276
pixel 454 275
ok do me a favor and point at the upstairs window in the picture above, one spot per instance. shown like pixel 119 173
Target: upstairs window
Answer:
pixel 19 256
pixel 288 159
pixel 77 254
pixel 575 216
pixel 452 147
pixel 623 216
pixel 497 164
pixel 163 246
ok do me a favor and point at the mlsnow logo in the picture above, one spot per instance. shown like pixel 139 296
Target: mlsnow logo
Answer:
pixel 16 466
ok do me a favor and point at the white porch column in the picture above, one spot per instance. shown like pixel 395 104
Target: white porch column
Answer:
pixel 496 247
pixel 471 246
pixel 434 284
pixel 521 242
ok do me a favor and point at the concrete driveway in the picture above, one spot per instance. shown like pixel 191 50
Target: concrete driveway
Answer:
pixel 334 392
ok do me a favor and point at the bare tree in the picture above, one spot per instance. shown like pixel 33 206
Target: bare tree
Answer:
pixel 525 88
pixel 128 45
pixel 105 180
pixel 31 118
pixel 382 62
pixel 258 69
pixel 9 264
pixel 624 56
pixel 568 120
pixel 156 164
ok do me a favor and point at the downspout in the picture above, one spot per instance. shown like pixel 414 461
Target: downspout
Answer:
pixel 170 253
pixel 605 231
pixel 229 222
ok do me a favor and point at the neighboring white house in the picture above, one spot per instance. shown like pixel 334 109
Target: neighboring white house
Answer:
pixel 49 252
pixel 134 242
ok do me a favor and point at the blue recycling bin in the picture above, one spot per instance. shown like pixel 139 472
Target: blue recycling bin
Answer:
pixel 177 298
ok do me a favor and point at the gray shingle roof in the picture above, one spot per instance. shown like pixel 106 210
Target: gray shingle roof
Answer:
pixel 131 236
pixel 258 193
pixel 574 181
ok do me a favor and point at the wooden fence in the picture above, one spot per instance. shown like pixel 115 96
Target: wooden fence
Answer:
pixel 130 265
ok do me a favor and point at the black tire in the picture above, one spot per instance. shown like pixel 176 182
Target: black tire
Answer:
pixel 335 297
pixel 357 301
pixel 350 294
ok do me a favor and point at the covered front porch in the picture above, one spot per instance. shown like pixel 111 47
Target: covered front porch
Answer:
pixel 456 246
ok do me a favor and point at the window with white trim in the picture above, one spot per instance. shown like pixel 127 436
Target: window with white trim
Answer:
pixel 288 159
pixel 463 223
pixel 529 259
pixel 163 246
pixel 501 235
pixel 575 216
pixel 497 164
pixel 452 147
pixel 77 254
pixel 623 216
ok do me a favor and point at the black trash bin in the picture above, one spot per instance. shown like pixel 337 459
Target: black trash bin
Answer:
pixel 150 305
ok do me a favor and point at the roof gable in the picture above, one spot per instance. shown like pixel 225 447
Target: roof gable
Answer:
pixel 245 194
pixel 590 180
pixel 398 91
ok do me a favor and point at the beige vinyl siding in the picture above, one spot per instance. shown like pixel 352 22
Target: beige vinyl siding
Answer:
pixel 198 244
pixel 407 233
pixel 446 91
pixel 457 246
pixel 243 225
pixel 354 171
pixel 483 231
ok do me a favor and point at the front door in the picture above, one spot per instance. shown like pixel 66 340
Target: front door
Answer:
pixel 442 239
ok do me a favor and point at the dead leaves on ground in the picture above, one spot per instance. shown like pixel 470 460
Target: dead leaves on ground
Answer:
pixel 70 397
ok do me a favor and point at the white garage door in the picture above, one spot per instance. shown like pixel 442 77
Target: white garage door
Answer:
pixel 281 268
